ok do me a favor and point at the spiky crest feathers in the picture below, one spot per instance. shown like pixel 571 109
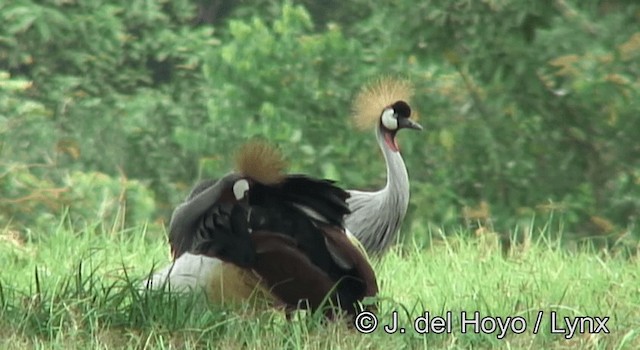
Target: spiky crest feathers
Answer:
pixel 261 162
pixel 376 96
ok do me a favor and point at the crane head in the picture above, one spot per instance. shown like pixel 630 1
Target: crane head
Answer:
pixel 392 119
pixel 385 105
pixel 397 116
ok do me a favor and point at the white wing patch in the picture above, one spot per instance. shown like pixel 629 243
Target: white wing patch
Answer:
pixel 333 251
pixel 335 254
pixel 312 213
pixel 187 273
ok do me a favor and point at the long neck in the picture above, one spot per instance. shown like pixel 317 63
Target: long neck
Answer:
pixel 396 190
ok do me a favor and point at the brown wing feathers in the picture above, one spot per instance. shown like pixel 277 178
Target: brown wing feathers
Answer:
pixel 293 278
pixel 288 273
pixel 361 266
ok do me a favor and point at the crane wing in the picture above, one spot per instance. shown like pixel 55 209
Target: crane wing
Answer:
pixel 294 279
pixel 186 218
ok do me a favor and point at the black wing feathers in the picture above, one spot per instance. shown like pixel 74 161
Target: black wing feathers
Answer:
pixel 224 233
pixel 181 229
pixel 279 235
pixel 274 215
pixel 321 196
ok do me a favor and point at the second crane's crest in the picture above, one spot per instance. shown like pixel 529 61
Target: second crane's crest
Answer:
pixel 375 97
pixel 261 162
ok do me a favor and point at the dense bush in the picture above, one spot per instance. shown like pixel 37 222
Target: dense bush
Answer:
pixel 113 79
pixel 551 117
pixel 530 108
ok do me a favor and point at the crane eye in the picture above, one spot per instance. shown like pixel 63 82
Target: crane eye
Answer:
pixel 240 188
pixel 389 119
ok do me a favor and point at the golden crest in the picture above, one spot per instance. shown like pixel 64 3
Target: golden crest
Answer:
pixel 375 97
pixel 261 162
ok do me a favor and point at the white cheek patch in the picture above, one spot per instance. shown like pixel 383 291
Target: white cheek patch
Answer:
pixel 240 188
pixel 389 120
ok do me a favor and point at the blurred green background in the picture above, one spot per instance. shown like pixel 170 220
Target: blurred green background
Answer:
pixel 110 110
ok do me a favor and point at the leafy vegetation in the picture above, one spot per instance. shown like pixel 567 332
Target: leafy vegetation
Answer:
pixel 110 110
pixel 530 108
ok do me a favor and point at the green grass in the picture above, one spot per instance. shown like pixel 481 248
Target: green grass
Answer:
pixel 64 289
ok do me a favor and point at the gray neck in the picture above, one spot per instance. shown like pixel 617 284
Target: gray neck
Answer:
pixel 396 191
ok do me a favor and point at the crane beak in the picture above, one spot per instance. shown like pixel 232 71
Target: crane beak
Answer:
pixel 409 124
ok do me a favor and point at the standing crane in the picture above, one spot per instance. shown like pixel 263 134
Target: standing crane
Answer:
pixel 258 232
pixel 376 217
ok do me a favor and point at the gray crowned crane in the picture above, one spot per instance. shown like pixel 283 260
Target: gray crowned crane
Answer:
pixel 376 217
pixel 258 234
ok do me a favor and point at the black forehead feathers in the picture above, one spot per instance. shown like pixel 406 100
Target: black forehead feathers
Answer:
pixel 402 109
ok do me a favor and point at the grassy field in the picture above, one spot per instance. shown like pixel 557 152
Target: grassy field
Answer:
pixel 65 289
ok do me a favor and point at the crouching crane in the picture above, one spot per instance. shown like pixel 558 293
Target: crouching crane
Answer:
pixel 257 232
pixel 376 217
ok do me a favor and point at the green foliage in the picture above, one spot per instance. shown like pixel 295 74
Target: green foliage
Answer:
pixel 281 81
pixel 530 108
pixel 542 108
pixel 112 80
pixel 23 120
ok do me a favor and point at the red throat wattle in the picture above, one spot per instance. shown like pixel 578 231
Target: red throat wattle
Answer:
pixel 391 141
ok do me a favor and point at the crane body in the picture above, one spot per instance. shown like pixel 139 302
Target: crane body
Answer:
pixel 376 217
pixel 278 237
